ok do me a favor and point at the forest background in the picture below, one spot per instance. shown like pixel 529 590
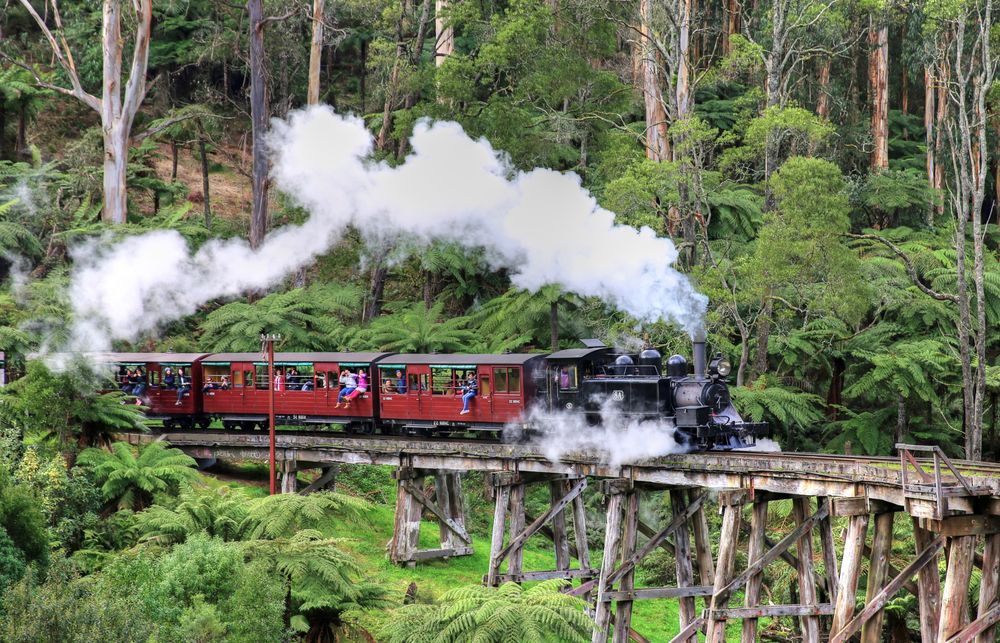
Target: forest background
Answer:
pixel 828 170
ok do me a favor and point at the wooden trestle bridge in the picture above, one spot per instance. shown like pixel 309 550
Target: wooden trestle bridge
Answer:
pixel 954 507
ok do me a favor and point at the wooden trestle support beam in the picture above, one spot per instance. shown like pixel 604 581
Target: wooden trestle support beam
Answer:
pixel 446 505
pixel 511 526
pixel 827 589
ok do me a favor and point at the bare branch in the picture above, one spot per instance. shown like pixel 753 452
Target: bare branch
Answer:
pixel 910 269
pixel 67 64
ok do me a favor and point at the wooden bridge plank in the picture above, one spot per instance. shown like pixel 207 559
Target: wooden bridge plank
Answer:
pixel 955 596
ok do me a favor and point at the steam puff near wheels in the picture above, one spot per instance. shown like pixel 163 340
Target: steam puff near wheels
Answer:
pixel 616 440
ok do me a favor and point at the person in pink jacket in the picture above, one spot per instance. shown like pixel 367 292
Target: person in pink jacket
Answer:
pixel 362 388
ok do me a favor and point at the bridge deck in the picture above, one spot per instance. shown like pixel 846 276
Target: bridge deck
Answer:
pixel 784 473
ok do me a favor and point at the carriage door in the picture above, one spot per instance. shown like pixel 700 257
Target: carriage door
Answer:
pixel 418 381
pixel 486 391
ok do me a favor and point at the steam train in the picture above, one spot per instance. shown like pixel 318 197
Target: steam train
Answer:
pixel 421 394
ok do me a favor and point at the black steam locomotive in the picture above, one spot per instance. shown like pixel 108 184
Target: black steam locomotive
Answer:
pixel 640 388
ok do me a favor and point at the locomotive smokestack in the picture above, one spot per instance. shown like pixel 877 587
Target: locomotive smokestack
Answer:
pixel 698 351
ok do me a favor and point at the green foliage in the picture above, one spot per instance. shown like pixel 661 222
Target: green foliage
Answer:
pixel 306 319
pixel 22 521
pixel 803 254
pixel 417 329
pixel 541 613
pixel 67 609
pixel 12 562
pixel 219 513
pixel 285 514
pixel 129 482
pixel 67 407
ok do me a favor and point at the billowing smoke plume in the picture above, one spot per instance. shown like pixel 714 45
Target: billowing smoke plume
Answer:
pixel 541 225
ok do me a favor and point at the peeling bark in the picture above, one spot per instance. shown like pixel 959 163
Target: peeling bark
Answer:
pixel 878 82
pixel 316 52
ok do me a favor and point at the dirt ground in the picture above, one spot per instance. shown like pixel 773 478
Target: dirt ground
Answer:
pixel 229 190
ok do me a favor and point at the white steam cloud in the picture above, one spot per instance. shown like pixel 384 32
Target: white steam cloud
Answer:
pixel 541 225
pixel 617 440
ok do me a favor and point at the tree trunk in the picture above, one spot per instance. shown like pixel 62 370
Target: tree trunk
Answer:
pixel 732 24
pixel 22 132
pixel 878 79
pixel 657 137
pixel 930 137
pixel 115 171
pixel 376 284
pixel 902 421
pixel 415 58
pixel 763 336
pixel 554 325
pixel 174 153
pixel 315 52
pixel 390 96
pixel 823 100
pixel 939 136
pixel 204 182
pixel 259 113
pixel 117 111
pixel 444 36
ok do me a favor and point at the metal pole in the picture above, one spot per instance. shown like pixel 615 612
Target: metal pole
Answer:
pixel 267 348
pixel 270 410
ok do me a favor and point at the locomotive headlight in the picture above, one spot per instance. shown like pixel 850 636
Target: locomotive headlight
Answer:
pixel 724 368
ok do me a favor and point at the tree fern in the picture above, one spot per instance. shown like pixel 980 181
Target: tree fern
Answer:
pixel 510 612
pixel 129 481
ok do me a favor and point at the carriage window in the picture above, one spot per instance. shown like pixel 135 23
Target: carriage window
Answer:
pixel 484 385
pixel 415 383
pixel 260 376
pixel 566 378
pixel 238 378
pixel 215 373
pixel 514 380
pixel 154 378
pixel 501 378
pixel 299 377
pixel 321 379
pixel 443 381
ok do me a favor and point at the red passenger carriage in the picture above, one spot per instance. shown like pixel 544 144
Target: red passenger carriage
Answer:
pixel 161 398
pixel 432 396
pixel 237 389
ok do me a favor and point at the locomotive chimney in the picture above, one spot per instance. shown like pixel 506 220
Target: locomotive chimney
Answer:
pixel 699 355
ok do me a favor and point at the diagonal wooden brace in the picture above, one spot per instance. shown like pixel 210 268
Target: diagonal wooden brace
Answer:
pixel 890 590
pixel 419 496
pixel 772 554
pixel 519 540
pixel 655 541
